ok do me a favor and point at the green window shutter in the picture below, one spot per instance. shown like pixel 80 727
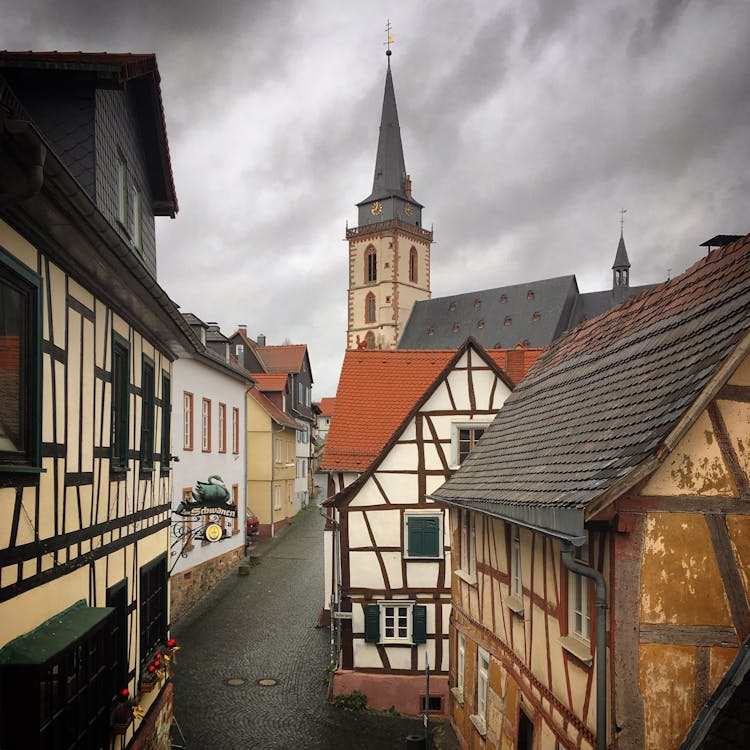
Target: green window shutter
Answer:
pixel 423 536
pixel 372 623
pixel 419 623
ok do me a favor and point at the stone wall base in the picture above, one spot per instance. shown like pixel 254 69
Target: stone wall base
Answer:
pixel 264 529
pixel 189 586
pixel 404 693
pixel 154 733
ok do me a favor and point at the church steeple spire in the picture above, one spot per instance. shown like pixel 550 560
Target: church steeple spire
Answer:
pixel 389 179
pixel 621 266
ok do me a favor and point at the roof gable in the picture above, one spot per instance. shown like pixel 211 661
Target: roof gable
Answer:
pixel 378 390
pixel 287 358
pixel 441 377
pixel 600 402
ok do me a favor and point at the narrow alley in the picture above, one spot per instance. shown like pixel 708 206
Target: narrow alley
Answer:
pixel 260 628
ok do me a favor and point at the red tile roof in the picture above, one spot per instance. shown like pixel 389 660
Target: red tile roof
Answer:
pixel 270 383
pixel 377 392
pixel 129 66
pixel 286 359
pixel 272 410
pixel 327 406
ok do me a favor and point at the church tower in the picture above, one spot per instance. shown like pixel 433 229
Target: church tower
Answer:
pixel 389 251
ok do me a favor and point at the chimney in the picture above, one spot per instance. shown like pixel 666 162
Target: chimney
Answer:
pixel 242 327
pixel 261 339
pixel 407 186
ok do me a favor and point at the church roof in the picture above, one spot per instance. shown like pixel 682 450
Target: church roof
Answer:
pixel 599 408
pixel 531 314
pixel 390 169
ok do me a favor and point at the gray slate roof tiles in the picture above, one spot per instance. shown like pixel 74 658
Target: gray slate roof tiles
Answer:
pixel 601 400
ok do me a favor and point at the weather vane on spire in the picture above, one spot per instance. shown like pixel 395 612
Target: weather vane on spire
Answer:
pixel 389 38
pixel 623 211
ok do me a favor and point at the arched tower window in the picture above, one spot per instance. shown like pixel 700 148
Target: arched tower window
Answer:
pixel 413 258
pixel 370 340
pixel 371 264
pixel 370 308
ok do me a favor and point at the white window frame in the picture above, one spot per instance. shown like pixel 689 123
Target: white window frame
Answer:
pixel 441 535
pixel 579 605
pixel 277 497
pixel 483 673
pixel 460 663
pixel 408 606
pixel 239 349
pixel 468 542
pixel 205 425
pixel 455 429
pixel 516 579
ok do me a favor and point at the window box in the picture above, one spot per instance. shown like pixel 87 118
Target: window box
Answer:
pixel 58 682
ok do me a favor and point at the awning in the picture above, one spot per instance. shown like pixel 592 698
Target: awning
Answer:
pixel 47 640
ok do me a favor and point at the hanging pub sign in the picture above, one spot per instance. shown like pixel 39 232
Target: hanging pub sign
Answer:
pixel 209 497
pixel 213 532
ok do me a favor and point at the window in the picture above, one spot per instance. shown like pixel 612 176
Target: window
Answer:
pixel 235 430
pixel 206 425
pixel 423 534
pixel 20 365
pixel 413 259
pixel 222 428
pixel 239 349
pixel 120 403
pixel 277 497
pixel 579 612
pixel 516 587
pixel 166 421
pixel 122 190
pixel 371 264
pixel 236 501
pixel 483 667
pixel 147 414
pixel 370 308
pixel 464 436
pixel 187 407
pixel 153 611
pixel 468 543
pixel 58 683
pixel 137 220
pixel 117 597
pixel 396 622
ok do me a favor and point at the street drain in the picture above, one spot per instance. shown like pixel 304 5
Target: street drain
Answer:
pixel 266 682
pixel 234 681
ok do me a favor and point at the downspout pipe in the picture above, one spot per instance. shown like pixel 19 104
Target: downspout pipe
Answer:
pixel 575 566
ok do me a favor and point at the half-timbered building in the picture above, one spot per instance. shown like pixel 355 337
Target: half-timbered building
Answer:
pixel 404 421
pixel 87 340
pixel 600 591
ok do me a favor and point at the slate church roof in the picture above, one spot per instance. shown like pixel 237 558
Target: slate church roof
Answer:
pixel 593 413
pixel 532 314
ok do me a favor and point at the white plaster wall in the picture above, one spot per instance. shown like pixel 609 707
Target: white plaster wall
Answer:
pixel 358 535
pixel 365 571
pixel 386 527
pixel 438 401
pixel 422 575
pixel 206 382
pixel 393 568
pixel 400 458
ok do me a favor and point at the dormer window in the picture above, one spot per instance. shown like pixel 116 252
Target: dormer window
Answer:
pixel 508 320
pixel 477 303
pixel 452 307
pixel 503 298
pixel 530 294
pixel 536 316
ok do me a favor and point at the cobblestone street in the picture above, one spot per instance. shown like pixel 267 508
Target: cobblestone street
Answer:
pixel 262 627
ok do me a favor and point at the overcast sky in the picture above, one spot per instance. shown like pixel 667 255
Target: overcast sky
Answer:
pixel 526 127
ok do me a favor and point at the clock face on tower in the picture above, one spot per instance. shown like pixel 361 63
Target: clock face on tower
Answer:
pixel 376 209
pixel 408 209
